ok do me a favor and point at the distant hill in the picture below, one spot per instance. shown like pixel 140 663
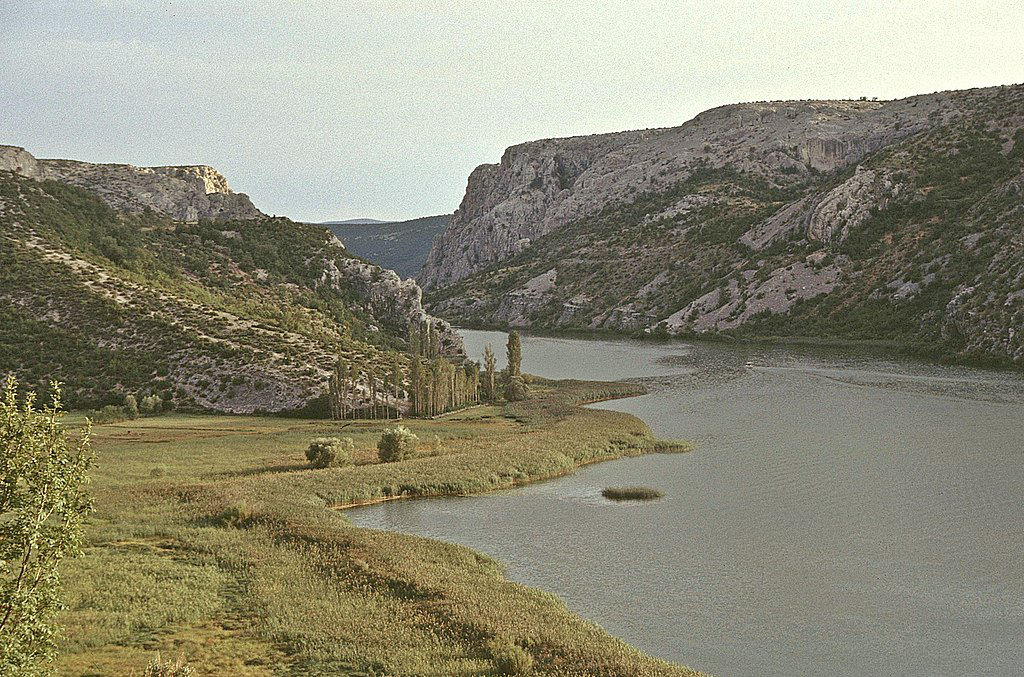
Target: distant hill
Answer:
pixel 352 222
pixel 401 246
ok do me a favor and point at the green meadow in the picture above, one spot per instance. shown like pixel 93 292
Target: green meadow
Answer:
pixel 214 540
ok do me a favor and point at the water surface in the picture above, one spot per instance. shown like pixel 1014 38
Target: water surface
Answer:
pixel 843 513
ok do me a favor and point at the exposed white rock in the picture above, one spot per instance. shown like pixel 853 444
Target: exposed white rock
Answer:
pixel 850 204
pixel 185 193
pixel 542 185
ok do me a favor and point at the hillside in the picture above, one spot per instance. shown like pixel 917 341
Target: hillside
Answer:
pixel 401 246
pixel 235 315
pixel 896 221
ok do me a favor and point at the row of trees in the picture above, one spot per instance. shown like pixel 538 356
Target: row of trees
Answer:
pixel 424 340
pixel 432 383
pixel 357 378
pixel 437 385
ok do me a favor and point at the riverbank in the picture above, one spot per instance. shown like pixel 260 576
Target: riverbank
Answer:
pixel 212 539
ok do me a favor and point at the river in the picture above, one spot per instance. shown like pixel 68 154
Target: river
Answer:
pixel 843 512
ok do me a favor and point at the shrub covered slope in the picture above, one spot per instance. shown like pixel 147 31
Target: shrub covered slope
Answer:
pixel 239 316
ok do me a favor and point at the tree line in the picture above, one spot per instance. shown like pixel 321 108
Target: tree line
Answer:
pixel 431 383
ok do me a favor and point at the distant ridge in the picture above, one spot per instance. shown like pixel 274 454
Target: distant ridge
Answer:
pixel 896 221
pixel 353 222
pixel 401 246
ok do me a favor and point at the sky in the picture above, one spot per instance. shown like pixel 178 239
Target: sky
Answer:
pixel 379 108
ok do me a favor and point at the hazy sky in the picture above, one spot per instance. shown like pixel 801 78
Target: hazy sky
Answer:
pixel 322 110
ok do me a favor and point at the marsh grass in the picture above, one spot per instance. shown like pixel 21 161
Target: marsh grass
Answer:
pixel 233 558
pixel 631 494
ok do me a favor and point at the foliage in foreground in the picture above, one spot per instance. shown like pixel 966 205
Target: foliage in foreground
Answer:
pixel 42 506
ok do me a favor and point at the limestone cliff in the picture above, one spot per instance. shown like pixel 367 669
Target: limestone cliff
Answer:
pixel 897 221
pixel 186 193
pixel 542 185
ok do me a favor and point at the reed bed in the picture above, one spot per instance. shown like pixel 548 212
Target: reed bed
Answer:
pixel 233 557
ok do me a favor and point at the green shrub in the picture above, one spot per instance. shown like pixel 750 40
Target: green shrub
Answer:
pixel 151 404
pixel 516 390
pixel 131 407
pixel 511 659
pixel 330 452
pixel 397 444
pixel 238 516
pixel 108 414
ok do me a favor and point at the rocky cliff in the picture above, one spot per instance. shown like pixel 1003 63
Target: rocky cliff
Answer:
pixel 542 185
pixel 244 314
pixel 897 220
pixel 187 193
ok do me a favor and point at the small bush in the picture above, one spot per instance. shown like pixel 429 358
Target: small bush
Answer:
pixel 631 494
pixel 238 516
pixel 330 452
pixel 511 659
pixel 131 407
pixel 397 444
pixel 516 390
pixel 151 404
pixel 108 414
pixel 176 668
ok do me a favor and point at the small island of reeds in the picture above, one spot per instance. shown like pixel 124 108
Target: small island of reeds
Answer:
pixel 631 494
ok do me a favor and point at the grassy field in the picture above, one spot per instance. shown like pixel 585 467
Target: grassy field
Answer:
pixel 213 539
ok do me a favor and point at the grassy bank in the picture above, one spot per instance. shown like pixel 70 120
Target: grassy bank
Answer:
pixel 212 539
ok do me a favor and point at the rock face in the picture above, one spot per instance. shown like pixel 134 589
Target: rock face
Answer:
pixel 896 220
pixel 542 185
pixel 186 193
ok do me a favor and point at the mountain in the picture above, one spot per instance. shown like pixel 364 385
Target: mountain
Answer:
pixel 401 246
pixel 104 286
pixel 353 222
pixel 898 221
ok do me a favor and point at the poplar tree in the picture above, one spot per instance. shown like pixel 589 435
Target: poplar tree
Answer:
pixel 43 504
pixel 415 385
pixel 397 379
pixel 414 339
pixel 490 371
pixel 514 350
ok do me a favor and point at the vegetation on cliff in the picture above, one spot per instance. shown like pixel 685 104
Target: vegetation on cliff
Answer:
pixel 240 316
pixel 918 245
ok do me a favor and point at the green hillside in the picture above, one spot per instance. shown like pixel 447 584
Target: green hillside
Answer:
pixel 241 316
pixel 401 246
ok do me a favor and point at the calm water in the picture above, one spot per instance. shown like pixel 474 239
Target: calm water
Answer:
pixel 842 514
